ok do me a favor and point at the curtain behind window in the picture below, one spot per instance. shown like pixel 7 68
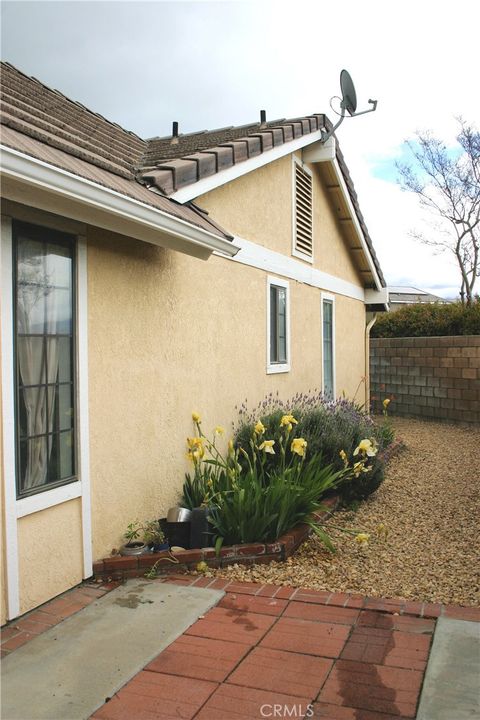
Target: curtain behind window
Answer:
pixel 44 348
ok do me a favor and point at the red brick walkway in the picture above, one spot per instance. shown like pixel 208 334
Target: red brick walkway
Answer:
pixel 276 652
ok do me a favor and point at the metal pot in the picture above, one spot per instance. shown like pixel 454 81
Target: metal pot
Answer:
pixel 178 514
pixel 134 548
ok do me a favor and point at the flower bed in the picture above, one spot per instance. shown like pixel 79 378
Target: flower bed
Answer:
pixel 264 492
pixel 122 568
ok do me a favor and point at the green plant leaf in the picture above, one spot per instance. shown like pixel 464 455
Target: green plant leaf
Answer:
pixel 218 545
pixel 323 537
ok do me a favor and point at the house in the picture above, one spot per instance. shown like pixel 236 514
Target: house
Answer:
pixel 399 296
pixel 141 280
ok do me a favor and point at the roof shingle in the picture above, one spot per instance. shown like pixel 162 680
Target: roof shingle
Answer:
pixel 44 124
pixel 68 135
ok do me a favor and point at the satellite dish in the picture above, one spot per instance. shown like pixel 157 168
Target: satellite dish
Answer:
pixel 349 96
pixel 348 103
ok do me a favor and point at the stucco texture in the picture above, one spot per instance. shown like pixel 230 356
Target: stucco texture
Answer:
pixel 169 334
pixel 259 207
pixel 49 553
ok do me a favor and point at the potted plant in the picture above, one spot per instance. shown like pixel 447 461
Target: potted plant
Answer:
pixel 133 546
pixel 154 536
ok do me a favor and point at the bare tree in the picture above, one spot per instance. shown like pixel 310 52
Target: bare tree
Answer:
pixel 447 183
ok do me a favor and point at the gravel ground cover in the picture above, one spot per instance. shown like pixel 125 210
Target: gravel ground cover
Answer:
pixel 429 505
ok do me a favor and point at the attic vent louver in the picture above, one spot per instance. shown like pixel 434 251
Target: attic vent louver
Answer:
pixel 303 211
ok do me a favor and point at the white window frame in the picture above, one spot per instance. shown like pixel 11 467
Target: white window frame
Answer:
pixel 297 253
pixel 327 297
pixel 18 508
pixel 273 368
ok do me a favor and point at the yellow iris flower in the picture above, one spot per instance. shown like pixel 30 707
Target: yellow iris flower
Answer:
pixel 267 446
pixel 366 447
pixel 259 428
pixel 362 538
pixel 359 467
pixel 298 446
pixel 196 451
pixel 288 421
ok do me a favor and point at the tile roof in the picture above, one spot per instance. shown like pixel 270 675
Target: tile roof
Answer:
pixel 46 115
pixel 172 163
pixel 45 124
pixel 354 198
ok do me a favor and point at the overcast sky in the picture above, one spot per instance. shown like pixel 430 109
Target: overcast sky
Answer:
pixel 211 64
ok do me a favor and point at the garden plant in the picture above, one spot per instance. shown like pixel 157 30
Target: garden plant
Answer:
pixel 279 465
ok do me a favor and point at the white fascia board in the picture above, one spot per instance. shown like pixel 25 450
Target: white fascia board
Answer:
pixel 326 152
pixel 320 152
pixel 377 297
pixel 232 173
pixel 275 263
pixel 29 170
pixel 356 222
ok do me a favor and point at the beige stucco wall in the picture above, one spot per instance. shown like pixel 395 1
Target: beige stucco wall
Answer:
pixel 256 206
pixel 49 553
pixel 169 334
pixel 350 348
pixel 259 207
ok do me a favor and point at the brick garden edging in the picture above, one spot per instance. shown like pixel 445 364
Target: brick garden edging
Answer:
pixel 122 568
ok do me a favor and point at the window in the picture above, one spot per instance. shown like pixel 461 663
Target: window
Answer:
pixel 278 345
pixel 302 215
pixel 328 345
pixel 44 316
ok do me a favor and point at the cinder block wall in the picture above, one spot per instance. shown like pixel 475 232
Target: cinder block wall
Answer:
pixel 429 377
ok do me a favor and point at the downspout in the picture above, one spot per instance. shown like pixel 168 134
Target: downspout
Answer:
pixel 367 360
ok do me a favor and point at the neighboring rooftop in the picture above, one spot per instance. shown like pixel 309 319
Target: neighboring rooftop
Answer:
pixel 404 295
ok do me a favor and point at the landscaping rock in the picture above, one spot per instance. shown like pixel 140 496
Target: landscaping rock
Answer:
pixel 429 505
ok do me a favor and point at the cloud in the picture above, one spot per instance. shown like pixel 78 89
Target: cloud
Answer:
pixel 211 64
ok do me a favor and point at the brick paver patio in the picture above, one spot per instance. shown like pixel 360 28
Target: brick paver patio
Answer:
pixel 268 651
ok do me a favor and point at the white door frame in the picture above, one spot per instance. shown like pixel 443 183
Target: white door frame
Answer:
pixel 15 509
pixel 329 298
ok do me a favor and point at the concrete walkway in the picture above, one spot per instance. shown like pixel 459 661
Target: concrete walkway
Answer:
pixel 67 672
pixel 452 682
pixel 262 652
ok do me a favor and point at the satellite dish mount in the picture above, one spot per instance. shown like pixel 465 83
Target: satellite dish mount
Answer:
pixel 348 103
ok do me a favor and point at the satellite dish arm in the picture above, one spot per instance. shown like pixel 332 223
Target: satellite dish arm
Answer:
pixel 326 135
pixel 372 109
